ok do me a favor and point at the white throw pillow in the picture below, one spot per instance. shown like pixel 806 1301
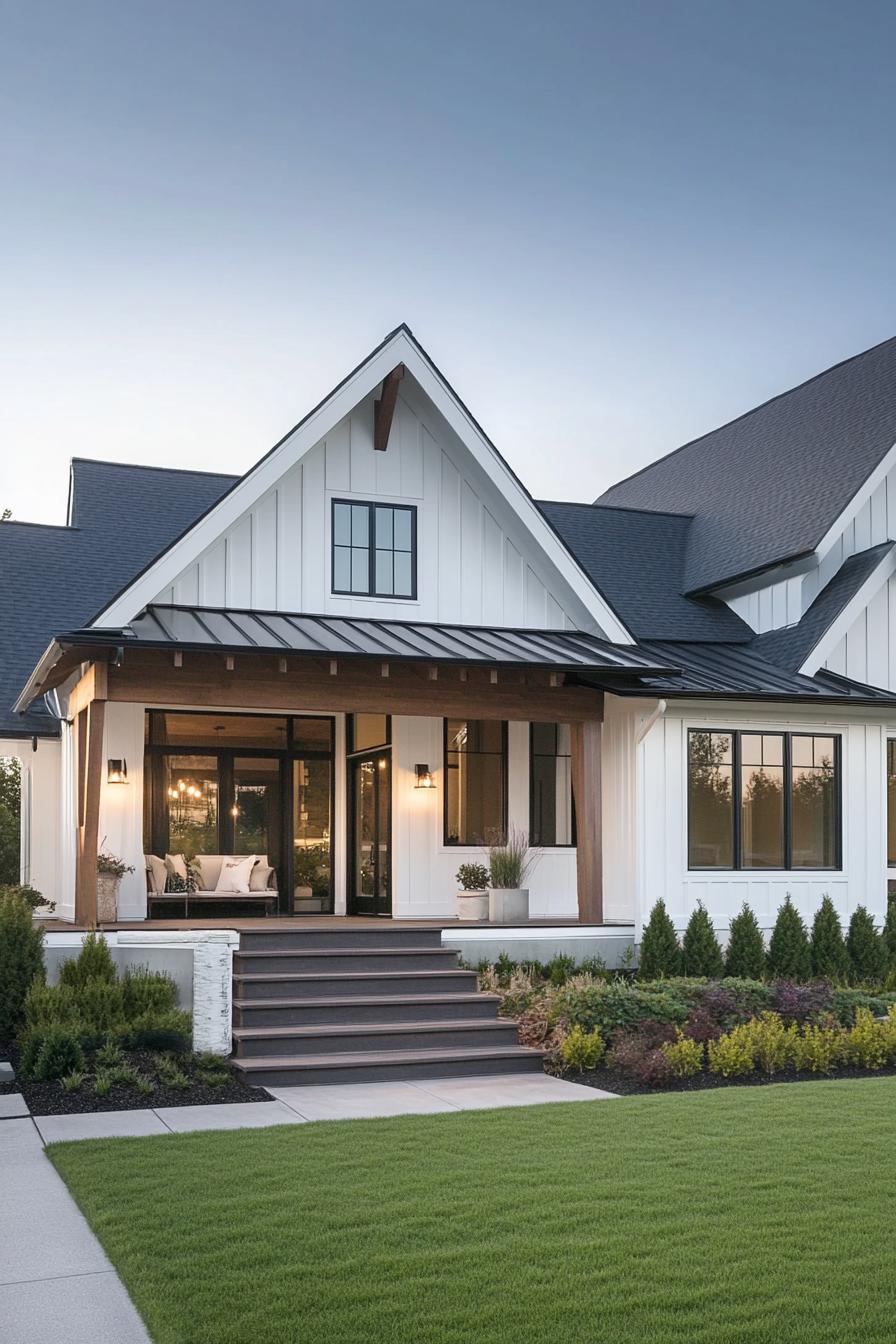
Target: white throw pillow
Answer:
pixel 259 877
pixel 158 873
pixel 176 865
pixel 235 874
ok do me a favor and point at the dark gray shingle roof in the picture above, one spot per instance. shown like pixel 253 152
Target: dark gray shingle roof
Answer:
pixel 766 487
pixel 636 558
pixel 57 577
pixel 790 646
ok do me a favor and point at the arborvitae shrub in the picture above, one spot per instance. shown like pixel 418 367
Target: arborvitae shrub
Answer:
pixel 745 955
pixel 59 1054
pixel 21 959
pixel 700 950
pixel 867 949
pixel 789 955
pixel 890 930
pixel 830 960
pixel 660 953
pixel 93 962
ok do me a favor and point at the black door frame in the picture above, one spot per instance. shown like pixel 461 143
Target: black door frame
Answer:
pixel 353 763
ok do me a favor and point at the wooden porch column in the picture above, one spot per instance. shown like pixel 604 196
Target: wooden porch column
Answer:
pixel 88 704
pixel 586 787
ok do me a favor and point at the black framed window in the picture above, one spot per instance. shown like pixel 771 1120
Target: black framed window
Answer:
pixel 763 800
pixel 891 802
pixel 552 818
pixel 374 550
pixel 475 756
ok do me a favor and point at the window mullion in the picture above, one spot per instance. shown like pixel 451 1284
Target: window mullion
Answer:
pixel 788 803
pixel 736 799
pixel 371 551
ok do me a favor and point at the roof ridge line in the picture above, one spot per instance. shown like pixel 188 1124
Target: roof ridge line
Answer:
pixel 146 466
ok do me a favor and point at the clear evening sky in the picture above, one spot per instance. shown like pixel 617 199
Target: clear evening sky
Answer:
pixel 613 225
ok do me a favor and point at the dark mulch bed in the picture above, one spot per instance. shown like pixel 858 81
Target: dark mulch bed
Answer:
pixel 50 1099
pixel 609 1081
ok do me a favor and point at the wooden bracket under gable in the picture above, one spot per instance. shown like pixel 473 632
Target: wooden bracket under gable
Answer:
pixel 384 408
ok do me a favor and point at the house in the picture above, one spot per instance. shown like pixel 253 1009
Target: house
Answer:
pixel 375 649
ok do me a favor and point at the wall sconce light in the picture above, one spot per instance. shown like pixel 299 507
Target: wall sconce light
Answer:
pixel 424 777
pixel 116 771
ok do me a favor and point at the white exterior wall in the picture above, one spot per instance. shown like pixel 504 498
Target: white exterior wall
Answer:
pixel 771 607
pixel 867 652
pixel 476 562
pixel 662 868
pixel 40 815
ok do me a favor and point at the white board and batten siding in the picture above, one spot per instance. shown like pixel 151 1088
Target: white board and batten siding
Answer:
pixel 662 859
pixel 476 563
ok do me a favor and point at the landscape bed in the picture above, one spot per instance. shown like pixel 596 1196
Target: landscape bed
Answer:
pixel 756 1215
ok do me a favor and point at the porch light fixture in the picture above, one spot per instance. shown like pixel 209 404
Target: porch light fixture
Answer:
pixel 424 777
pixel 116 771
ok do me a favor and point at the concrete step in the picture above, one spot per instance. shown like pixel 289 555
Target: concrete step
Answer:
pixel 295 985
pixel 297 1012
pixel 387 1065
pixel 332 960
pixel 372 1037
pixel 345 935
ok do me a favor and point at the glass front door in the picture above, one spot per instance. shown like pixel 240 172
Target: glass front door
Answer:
pixel 370 891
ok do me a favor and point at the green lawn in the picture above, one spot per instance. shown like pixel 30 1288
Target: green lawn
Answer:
pixel 742 1215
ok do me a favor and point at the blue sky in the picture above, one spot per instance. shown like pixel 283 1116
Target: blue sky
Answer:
pixel 613 225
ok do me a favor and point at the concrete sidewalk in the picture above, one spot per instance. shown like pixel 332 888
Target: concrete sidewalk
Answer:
pixel 55 1280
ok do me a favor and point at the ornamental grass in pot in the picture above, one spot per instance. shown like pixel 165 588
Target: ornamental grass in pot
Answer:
pixel 472 898
pixel 510 860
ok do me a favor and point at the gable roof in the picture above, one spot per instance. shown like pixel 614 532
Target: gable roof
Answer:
pixel 54 577
pixel 767 487
pixel 637 559
pixel 399 347
pixel 791 646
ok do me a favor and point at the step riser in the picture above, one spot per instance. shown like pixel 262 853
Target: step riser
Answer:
pixel 391 1072
pixel 295 963
pixel 498 1034
pixel 259 1015
pixel 294 987
pixel 312 939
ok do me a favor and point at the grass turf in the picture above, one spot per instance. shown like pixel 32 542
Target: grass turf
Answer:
pixel 760 1214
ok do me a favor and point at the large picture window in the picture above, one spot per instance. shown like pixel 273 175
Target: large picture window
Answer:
pixel 891 802
pixel 552 821
pixel 476 780
pixel 763 800
pixel 374 549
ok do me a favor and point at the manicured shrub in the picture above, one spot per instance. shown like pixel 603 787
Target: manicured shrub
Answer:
pixel 147 991
pixel 660 954
pixel 700 950
pixel 560 968
pixel 866 1044
pixel 770 1042
pixel 789 956
pixel 595 966
pixel 701 1026
pixel 47 1003
pixel 582 1049
pixel 867 950
pixel 21 960
pixel 93 962
pixel 732 1054
pixel 158 1031
pixel 847 1002
pixel 801 1003
pixel 750 997
pixel 830 960
pixel 684 1055
pixel 635 1057
pixel 615 1004
pixel 745 954
pixel 100 1005
pixel 60 1053
pixel 817 1049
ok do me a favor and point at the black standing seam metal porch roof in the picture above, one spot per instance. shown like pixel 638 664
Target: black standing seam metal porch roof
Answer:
pixel 241 631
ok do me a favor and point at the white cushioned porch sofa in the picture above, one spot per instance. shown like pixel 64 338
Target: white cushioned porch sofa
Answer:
pixel 207 868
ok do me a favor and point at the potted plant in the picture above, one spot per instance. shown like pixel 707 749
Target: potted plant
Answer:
pixel 307 865
pixel 109 872
pixel 509 861
pixel 472 899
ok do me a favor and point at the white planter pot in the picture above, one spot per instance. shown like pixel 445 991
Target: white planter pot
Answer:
pixel 508 905
pixel 107 898
pixel 472 905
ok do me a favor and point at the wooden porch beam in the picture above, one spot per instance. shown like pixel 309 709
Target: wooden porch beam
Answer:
pixel 587 789
pixel 384 408
pixel 91 721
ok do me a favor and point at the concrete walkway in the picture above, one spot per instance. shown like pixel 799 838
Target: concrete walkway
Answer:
pixel 347 1101
pixel 55 1280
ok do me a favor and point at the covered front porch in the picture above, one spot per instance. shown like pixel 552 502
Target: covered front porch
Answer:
pixel 362 762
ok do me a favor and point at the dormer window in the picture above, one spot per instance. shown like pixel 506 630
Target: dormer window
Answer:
pixel 374 549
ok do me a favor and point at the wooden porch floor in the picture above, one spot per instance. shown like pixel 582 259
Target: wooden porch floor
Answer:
pixel 332 921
